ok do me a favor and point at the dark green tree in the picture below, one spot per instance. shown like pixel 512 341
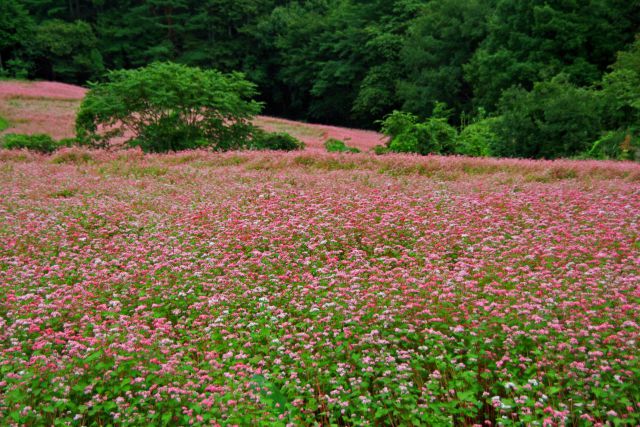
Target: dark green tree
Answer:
pixel 134 33
pixel 16 26
pixel 320 46
pixel 621 90
pixel 554 119
pixel 169 107
pixel 67 10
pixel 66 51
pixel 386 31
pixel 220 32
pixel 438 44
pixel 534 40
pixel 345 62
pixel 620 97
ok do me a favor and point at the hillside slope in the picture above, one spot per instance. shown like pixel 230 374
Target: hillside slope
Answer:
pixel 50 107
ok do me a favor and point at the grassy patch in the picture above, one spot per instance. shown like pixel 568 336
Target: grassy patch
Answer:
pixel 64 193
pixel 299 130
pixel 4 123
pixel 131 170
pixel 74 157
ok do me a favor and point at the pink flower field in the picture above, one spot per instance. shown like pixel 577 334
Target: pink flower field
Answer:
pixel 286 289
pixel 315 289
pixel 40 107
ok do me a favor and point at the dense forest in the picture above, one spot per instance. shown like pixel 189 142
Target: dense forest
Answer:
pixel 559 70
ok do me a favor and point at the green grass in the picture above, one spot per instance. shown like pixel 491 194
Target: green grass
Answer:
pixel 4 123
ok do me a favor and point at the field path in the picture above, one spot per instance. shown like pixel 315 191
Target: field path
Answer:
pixel 50 107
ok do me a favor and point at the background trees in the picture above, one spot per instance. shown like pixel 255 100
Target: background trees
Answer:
pixel 15 26
pixel 350 62
pixel 534 40
pixel 438 44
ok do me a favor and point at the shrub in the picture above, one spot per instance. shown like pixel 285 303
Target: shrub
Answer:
pixel 68 142
pixel 433 136
pixel 397 123
pixel 478 138
pixel 380 149
pixel 41 143
pixel 620 93
pixel 617 145
pixel 406 142
pixel 336 146
pixel 281 141
pixel 4 123
pixel 169 107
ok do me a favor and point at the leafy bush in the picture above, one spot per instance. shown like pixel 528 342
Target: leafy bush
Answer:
pixel 42 143
pixel 621 90
pixel 555 119
pixel 433 136
pixel 406 142
pixel 4 123
pixel 478 138
pixel 68 142
pixel 380 149
pixel 17 69
pixel 281 141
pixel 169 107
pixel 616 145
pixel 336 146
pixel 397 123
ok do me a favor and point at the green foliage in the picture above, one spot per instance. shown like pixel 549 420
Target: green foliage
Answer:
pixel 438 44
pixel 321 47
pixel 621 90
pixel 616 145
pixel 432 136
pixel 347 62
pixel 380 149
pixel 68 142
pixel 386 34
pixel 478 138
pixel 336 146
pixel 406 142
pixel 534 40
pixel 398 122
pixel 169 107
pixel 67 50
pixel 555 119
pixel 435 135
pixel 41 143
pixel 280 141
pixel 4 123
pixel 16 27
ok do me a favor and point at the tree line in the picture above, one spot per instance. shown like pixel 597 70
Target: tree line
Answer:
pixel 540 63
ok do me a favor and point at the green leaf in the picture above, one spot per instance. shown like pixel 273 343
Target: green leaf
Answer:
pixel 166 418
